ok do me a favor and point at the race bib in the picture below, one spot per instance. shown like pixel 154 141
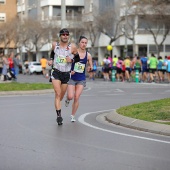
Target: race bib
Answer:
pixel 61 60
pixel 79 67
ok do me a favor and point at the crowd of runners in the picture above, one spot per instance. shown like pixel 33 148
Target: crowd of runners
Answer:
pixel 150 69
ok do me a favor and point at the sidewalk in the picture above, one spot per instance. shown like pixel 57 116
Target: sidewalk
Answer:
pixel 157 128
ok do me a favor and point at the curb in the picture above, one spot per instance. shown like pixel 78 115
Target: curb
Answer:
pixel 31 92
pixel 115 118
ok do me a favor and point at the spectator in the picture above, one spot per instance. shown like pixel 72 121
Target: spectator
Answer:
pixel 17 63
pixel 5 68
pixel 26 64
pixel 11 64
pixel 43 62
pixel 1 61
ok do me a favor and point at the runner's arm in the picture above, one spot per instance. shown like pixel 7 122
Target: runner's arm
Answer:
pixel 52 54
pixel 75 53
pixel 89 58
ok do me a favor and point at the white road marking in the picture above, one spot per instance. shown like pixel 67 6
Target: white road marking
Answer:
pixel 114 94
pixel 103 91
pixel 140 93
pixel 87 88
pixel 118 90
pixel 82 117
pixel 87 95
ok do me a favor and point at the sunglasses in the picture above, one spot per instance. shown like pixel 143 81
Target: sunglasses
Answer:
pixel 65 34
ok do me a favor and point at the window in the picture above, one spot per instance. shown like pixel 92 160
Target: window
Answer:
pixel 2 17
pixel 2 1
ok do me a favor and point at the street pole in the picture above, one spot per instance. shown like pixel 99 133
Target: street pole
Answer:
pixel 63 14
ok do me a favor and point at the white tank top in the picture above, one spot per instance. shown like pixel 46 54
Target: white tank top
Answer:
pixel 60 62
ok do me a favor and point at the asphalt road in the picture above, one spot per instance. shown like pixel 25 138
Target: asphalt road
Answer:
pixel 30 139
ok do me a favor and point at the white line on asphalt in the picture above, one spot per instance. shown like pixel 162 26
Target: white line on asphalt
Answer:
pixel 140 93
pixel 82 117
pixel 87 89
pixel 118 90
pixel 103 91
pixel 87 95
pixel 114 94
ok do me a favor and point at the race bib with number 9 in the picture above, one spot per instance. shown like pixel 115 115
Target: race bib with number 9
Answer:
pixel 79 67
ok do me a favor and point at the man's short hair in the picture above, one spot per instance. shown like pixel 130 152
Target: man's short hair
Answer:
pixel 64 30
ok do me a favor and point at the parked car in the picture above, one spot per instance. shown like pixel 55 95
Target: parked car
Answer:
pixel 34 67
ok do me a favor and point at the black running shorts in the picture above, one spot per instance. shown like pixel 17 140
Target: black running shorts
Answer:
pixel 62 76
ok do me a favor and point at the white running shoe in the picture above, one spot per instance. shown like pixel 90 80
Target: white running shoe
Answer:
pixel 73 118
pixel 67 102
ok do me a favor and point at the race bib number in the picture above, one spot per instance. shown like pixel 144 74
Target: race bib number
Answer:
pixel 79 67
pixel 61 60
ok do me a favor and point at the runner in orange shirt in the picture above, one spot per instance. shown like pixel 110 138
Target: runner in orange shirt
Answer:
pixel 43 62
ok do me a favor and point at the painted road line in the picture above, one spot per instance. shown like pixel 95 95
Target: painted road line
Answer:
pixel 82 117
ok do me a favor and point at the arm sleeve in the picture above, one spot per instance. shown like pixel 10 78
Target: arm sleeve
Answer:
pixel 52 55
pixel 76 58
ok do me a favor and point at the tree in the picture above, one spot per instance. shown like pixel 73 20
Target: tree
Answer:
pixel 91 30
pixel 108 22
pixel 156 15
pixel 130 22
pixel 35 35
pixel 8 33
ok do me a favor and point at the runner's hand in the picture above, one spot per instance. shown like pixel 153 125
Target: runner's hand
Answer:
pixel 68 59
pixel 72 72
pixel 50 62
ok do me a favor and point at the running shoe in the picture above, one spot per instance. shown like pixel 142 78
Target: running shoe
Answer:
pixel 67 102
pixel 59 120
pixel 73 118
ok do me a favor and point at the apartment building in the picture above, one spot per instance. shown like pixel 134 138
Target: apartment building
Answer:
pixel 50 12
pixel 143 42
pixel 92 9
pixel 8 10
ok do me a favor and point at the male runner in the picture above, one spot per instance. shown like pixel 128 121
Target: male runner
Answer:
pixel 62 56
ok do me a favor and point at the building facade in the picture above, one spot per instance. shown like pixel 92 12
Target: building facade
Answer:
pixel 78 12
pixel 8 11
pixel 143 41
pixel 49 12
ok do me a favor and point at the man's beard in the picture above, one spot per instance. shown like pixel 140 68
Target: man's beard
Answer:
pixel 64 41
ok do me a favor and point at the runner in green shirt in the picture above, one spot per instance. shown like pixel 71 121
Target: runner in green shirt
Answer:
pixel 153 62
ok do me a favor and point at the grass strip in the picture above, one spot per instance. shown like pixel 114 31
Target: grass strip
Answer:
pixel 14 86
pixel 154 111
